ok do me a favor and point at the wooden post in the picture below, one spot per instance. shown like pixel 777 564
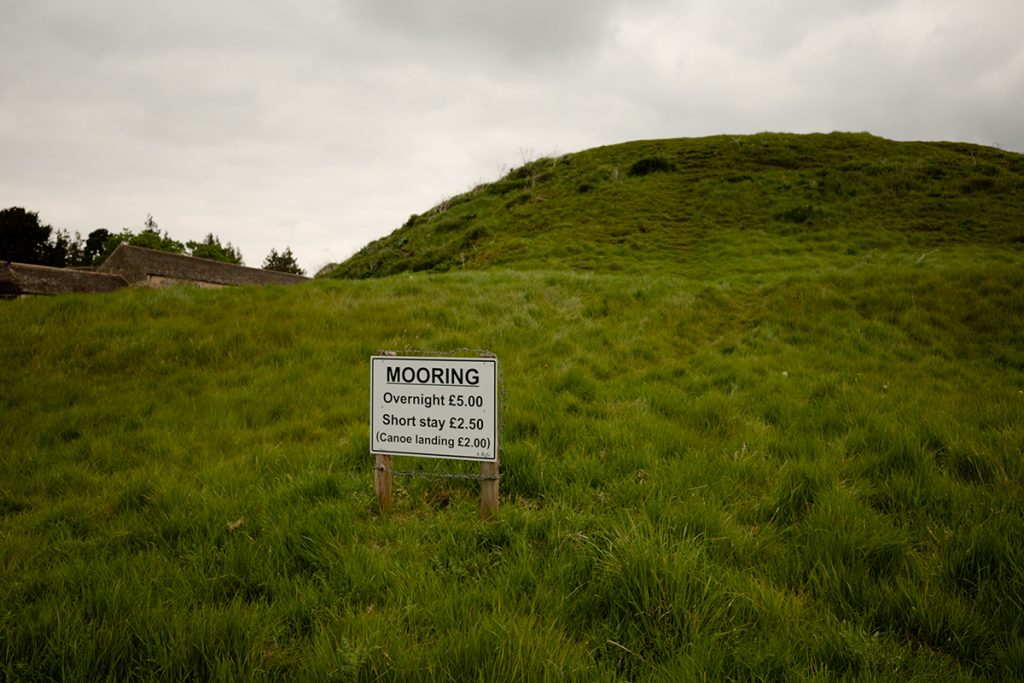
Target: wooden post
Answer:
pixel 382 481
pixel 489 478
pixel 489 490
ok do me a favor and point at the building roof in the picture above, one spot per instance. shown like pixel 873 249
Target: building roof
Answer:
pixel 17 279
pixel 138 264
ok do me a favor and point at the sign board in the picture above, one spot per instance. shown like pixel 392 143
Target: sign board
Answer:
pixel 434 407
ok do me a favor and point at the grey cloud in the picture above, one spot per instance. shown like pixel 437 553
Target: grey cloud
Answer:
pixel 324 124
pixel 523 34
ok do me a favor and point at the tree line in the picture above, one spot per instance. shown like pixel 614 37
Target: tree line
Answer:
pixel 26 239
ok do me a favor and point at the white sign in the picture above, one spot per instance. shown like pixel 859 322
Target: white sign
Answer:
pixel 434 407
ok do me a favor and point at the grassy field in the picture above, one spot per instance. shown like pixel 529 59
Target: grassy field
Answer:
pixel 723 470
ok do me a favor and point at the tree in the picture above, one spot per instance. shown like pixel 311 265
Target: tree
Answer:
pixel 211 248
pixel 94 246
pixel 283 263
pixel 22 237
pixel 153 239
pixel 63 250
pixel 112 242
pixel 150 237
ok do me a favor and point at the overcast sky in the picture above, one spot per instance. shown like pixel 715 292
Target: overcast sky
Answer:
pixel 321 125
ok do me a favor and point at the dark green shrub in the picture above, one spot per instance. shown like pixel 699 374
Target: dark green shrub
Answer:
pixel 649 165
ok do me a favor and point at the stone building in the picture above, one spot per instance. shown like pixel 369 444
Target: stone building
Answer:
pixel 24 279
pixel 152 268
pixel 134 266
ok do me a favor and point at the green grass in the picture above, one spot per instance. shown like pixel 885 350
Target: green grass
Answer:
pixel 701 207
pixel 737 471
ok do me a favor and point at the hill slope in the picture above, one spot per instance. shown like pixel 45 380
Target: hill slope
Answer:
pixel 790 452
pixel 698 206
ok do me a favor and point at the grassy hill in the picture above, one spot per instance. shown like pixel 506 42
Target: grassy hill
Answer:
pixel 723 205
pixel 782 447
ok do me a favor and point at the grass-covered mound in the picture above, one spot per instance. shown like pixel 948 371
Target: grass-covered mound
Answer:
pixel 698 206
pixel 809 471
